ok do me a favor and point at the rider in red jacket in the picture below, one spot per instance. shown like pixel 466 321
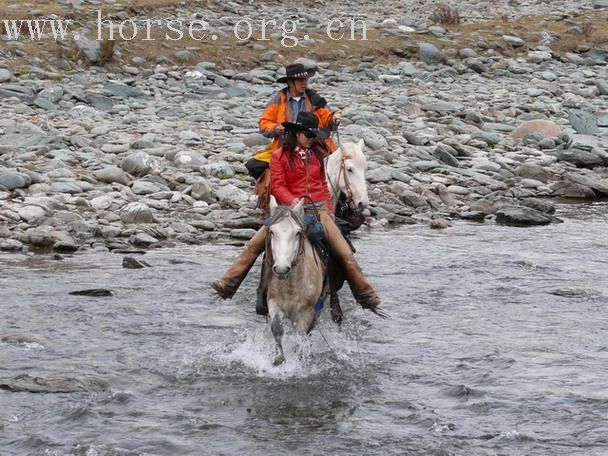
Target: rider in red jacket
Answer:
pixel 297 172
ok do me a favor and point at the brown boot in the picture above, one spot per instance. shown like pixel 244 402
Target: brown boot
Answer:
pixel 231 280
pixel 362 291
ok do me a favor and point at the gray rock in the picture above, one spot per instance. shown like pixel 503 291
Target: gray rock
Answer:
pixel 5 75
pixel 408 69
pixel 12 180
pixel 45 104
pixel 578 157
pixel 10 245
pixel 189 160
pixel 414 140
pixel 137 164
pixel 122 90
pixel 142 239
pixel 242 233
pixel 255 140
pixel 136 213
pixel 476 65
pixel 466 53
pixel 597 4
pixel 221 169
pixel 65 187
pixel 201 190
pixel 444 106
pixel 112 174
pixel 583 122
pixel 589 179
pixel 513 40
pixel 412 199
pixel 523 216
pixel 602 84
pixel 31 214
pixel 90 48
pixel 532 171
pixel 25 94
pixel 171 113
pixel 143 187
pixel 446 154
pixel 573 190
pixel 51 94
pixel 99 102
pixel 430 54
pixel 381 174
pixel 232 196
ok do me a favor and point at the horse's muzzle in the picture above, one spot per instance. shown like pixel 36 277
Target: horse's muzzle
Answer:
pixel 281 272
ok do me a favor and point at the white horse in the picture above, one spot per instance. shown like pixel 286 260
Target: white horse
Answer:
pixel 345 172
pixel 296 273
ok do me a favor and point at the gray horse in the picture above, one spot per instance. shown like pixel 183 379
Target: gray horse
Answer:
pixel 296 273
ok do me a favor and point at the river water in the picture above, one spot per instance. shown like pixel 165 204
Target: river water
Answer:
pixel 498 345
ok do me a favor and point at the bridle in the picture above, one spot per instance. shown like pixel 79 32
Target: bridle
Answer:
pixel 269 259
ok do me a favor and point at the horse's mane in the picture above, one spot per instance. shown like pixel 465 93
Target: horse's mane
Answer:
pixel 283 211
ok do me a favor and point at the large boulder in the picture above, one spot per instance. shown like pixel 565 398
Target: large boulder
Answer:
pixel 544 128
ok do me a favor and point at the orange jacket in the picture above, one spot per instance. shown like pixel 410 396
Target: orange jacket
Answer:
pixel 276 113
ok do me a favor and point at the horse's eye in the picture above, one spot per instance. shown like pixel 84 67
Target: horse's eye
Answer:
pixel 350 170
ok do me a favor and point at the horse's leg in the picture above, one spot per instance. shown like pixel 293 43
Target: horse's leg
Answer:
pixel 277 331
pixel 336 281
pixel 261 304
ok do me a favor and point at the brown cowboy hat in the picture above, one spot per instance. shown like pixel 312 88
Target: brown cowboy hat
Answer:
pixel 297 71
pixel 305 121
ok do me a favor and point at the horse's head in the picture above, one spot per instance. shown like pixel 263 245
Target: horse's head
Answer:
pixel 346 173
pixel 286 231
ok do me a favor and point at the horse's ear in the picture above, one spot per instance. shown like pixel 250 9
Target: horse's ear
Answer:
pixel 360 144
pixel 273 204
pixel 299 207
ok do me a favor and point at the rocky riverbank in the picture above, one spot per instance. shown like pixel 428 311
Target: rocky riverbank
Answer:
pixel 140 154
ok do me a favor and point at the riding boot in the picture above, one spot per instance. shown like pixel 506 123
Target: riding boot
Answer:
pixel 231 280
pixel 363 292
pixel 261 302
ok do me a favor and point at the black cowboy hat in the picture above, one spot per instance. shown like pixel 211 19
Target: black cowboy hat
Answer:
pixel 297 71
pixel 305 121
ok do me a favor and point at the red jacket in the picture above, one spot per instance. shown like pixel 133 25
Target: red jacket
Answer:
pixel 289 184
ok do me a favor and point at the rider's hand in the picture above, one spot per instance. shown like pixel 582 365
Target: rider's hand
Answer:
pixel 337 117
pixel 278 130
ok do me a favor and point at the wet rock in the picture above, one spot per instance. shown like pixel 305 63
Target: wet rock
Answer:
pixel 10 245
pixel 523 216
pixel 132 263
pixel 439 224
pixel 93 292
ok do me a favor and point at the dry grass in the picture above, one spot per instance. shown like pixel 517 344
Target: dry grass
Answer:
pixel 446 15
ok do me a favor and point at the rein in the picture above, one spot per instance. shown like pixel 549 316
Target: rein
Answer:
pixel 348 192
pixel 268 247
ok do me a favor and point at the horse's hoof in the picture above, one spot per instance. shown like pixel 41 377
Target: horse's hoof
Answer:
pixel 278 360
